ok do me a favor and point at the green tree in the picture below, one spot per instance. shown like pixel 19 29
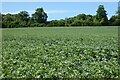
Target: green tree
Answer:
pixel 24 16
pixel 40 16
pixel 115 19
pixel 0 20
pixel 102 15
pixel 6 20
pixel 118 11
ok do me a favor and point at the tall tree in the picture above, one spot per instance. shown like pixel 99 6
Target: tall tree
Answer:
pixel 118 11
pixel 7 20
pixel 24 16
pixel 20 19
pixel 40 16
pixel 0 20
pixel 102 15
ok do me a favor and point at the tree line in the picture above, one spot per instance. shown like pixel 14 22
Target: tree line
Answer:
pixel 39 19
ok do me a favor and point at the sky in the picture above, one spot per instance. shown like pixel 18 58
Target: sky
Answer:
pixel 59 10
pixel 59 0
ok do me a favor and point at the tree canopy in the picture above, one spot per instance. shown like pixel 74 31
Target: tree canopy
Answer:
pixel 102 15
pixel 39 19
pixel 40 16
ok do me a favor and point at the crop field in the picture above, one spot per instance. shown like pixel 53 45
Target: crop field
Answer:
pixel 60 52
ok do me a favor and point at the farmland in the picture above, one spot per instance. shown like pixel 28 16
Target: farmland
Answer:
pixel 60 52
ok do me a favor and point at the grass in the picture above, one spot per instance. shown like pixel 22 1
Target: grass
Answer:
pixel 74 52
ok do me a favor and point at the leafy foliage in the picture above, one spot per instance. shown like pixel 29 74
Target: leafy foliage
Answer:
pixel 101 15
pixel 40 16
pixel 60 53
pixel 39 19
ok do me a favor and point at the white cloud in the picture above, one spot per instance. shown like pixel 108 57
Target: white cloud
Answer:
pixel 60 11
pixel 16 12
pixel 47 11
pixel 11 12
